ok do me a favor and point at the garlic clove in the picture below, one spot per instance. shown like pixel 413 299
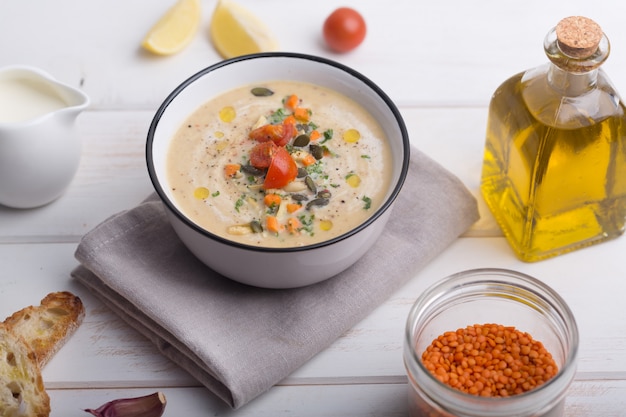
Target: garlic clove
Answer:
pixel 152 405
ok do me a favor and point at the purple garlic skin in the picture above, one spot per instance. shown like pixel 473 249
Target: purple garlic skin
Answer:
pixel 152 405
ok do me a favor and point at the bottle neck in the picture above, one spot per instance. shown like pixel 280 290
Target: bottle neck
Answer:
pixel 573 76
pixel 571 84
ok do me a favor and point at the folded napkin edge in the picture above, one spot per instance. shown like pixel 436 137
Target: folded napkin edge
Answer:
pixel 157 335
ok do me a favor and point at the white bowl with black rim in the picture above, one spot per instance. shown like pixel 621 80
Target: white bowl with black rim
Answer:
pixel 292 267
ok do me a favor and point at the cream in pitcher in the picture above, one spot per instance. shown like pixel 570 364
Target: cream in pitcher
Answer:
pixel 39 150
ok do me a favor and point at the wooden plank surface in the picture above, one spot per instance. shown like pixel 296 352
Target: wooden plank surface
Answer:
pixel 440 62
pixel 593 398
pixel 450 52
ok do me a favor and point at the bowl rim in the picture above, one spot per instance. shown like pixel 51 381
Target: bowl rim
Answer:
pixel 292 55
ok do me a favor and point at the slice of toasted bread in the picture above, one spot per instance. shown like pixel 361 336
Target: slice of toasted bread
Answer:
pixel 45 328
pixel 22 392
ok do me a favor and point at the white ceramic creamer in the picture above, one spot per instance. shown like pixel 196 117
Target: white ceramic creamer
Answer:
pixel 39 149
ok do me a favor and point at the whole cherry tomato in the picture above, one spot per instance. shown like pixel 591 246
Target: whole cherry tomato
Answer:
pixel 282 170
pixel 344 29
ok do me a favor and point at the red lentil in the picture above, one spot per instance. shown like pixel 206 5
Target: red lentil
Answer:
pixel 489 360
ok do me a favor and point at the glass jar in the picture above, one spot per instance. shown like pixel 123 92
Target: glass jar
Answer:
pixel 483 296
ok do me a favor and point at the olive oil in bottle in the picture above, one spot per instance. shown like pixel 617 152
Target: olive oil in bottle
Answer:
pixel 554 170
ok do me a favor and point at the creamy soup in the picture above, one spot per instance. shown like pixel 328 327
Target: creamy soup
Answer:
pixel 280 164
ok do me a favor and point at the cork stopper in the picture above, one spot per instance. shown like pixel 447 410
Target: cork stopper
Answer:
pixel 578 36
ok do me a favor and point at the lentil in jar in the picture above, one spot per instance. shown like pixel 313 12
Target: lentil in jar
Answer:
pixel 489 360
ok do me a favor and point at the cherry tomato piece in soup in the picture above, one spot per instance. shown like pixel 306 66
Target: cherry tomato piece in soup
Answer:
pixel 289 131
pixel 282 170
pixel 280 134
pixel 261 155
pixel 344 29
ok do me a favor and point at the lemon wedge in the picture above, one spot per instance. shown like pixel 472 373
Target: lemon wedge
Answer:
pixel 175 29
pixel 236 31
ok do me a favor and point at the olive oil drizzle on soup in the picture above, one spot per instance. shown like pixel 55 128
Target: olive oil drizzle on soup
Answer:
pixel 237 170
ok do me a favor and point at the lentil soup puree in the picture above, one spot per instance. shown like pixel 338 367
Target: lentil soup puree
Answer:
pixel 279 164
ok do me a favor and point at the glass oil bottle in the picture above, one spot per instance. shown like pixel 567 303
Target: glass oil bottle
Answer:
pixel 554 169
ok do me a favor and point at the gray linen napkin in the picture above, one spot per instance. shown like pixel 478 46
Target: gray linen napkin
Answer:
pixel 237 340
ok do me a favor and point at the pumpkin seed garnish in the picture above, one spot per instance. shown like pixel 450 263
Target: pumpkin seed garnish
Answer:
pixel 317 151
pixel 324 194
pixel 302 172
pixel 299 197
pixel 256 227
pixel 319 202
pixel 261 92
pixel 310 184
pixel 303 127
pixel 301 141
pixel 249 169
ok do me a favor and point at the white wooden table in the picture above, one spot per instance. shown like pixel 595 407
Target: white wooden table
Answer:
pixel 439 60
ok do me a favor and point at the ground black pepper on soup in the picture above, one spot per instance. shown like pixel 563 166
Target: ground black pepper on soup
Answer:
pixel 279 164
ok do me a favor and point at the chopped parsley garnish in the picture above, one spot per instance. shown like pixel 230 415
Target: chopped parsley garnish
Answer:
pixel 328 135
pixel 367 201
pixel 277 116
pixel 239 202
pixel 307 223
pixel 316 168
